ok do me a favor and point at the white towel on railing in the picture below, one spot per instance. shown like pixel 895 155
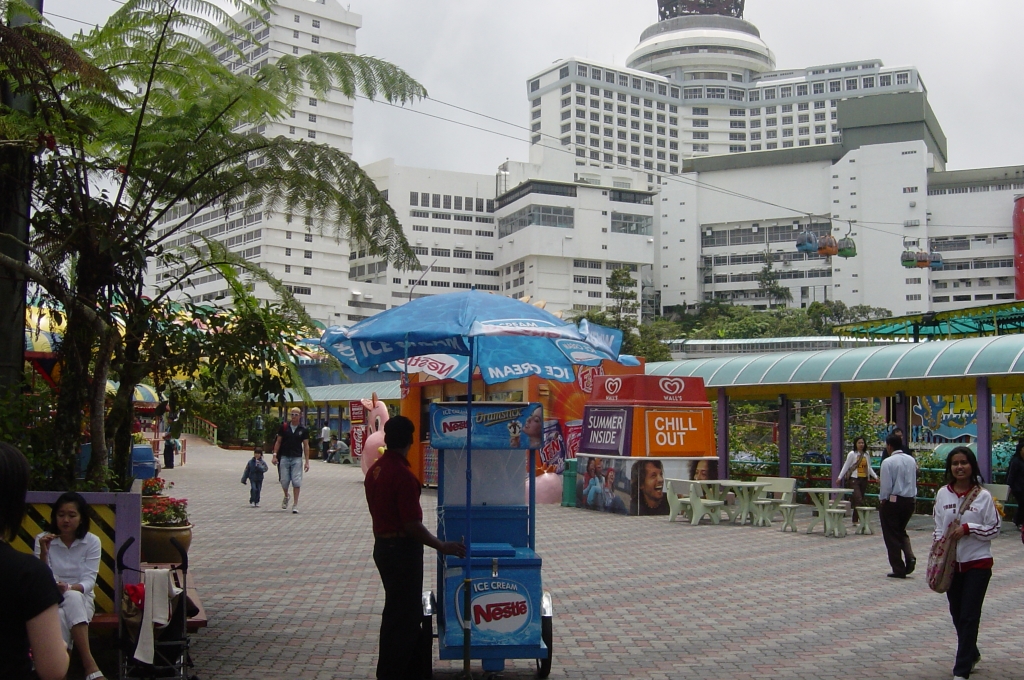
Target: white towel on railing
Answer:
pixel 156 611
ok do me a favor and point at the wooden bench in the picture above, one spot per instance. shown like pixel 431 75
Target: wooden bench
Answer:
pixel 782 490
pixel 690 504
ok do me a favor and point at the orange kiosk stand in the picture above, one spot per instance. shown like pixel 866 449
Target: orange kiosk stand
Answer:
pixel 667 420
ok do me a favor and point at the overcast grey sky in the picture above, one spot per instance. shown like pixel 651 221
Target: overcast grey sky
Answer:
pixel 478 54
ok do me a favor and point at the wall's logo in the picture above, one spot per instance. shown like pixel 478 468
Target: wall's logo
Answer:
pixel 672 386
pixel 612 386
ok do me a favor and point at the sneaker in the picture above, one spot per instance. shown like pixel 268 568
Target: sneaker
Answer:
pixel 284 503
pixel 251 504
pixel 295 509
pixel 959 677
pixel 255 505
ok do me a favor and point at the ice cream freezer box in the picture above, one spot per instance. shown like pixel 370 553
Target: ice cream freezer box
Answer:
pixel 505 604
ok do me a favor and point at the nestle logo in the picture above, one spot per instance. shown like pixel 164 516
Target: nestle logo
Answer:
pixel 496 611
pixel 452 426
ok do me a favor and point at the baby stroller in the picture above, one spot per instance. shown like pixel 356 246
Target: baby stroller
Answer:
pixel 170 642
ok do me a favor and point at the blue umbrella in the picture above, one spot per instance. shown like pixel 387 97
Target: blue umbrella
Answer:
pixel 509 338
pixel 504 337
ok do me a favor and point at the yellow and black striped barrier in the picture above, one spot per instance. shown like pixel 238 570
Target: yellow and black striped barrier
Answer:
pixel 114 517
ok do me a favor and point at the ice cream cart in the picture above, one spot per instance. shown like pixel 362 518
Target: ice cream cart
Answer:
pixel 498 610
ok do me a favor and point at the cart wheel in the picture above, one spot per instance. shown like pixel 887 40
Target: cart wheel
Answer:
pixel 544 665
pixel 426 647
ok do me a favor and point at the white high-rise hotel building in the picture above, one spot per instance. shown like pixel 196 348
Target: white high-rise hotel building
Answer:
pixel 685 166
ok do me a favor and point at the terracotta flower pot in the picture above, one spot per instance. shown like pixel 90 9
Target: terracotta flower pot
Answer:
pixel 156 543
pixel 149 500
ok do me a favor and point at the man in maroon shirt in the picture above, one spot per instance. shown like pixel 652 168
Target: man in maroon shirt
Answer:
pixel 393 496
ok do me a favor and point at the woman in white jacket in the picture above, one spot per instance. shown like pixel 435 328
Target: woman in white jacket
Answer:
pixel 974 531
pixel 858 466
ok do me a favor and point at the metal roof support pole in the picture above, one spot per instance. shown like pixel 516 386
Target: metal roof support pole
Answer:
pixel 723 434
pixel 984 411
pixel 783 435
pixel 837 429
pixel 902 404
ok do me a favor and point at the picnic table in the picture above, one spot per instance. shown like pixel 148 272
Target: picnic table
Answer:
pixel 820 498
pixel 745 492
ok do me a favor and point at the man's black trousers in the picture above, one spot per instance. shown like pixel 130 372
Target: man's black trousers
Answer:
pixel 400 563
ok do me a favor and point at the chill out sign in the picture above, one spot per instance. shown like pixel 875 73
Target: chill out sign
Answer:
pixel 679 433
pixel 606 430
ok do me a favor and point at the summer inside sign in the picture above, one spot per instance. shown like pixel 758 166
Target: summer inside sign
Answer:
pixel 606 430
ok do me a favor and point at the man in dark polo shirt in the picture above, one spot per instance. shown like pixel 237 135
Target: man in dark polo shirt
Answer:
pixel 291 455
pixel 393 496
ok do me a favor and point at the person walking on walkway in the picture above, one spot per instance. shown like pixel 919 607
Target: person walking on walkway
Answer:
pixel 858 466
pixel 254 471
pixel 393 497
pixel 325 441
pixel 965 502
pixel 1015 480
pixel 291 455
pixel 897 490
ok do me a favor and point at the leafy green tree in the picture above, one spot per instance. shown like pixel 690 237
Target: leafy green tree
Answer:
pixel 768 283
pixel 643 340
pixel 138 126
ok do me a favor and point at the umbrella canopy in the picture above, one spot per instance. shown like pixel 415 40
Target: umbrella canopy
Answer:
pixel 511 339
pixel 144 394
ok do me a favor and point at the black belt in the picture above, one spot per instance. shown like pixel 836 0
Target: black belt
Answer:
pixel 393 534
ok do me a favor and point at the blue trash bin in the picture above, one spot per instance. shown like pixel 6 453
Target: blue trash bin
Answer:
pixel 143 462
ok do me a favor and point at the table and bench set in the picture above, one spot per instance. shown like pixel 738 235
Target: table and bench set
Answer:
pixel 759 501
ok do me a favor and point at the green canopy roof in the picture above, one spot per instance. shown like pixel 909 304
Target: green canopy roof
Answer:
pixel 390 389
pixel 937 367
pixel 1000 319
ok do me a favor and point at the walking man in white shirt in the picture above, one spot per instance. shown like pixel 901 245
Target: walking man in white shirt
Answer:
pixel 325 440
pixel 897 490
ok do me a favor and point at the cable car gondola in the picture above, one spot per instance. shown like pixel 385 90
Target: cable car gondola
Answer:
pixel 922 260
pixel 828 246
pixel 807 242
pixel 936 263
pixel 847 248
pixel 909 259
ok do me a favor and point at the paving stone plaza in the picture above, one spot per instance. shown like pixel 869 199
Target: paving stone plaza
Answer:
pixel 298 596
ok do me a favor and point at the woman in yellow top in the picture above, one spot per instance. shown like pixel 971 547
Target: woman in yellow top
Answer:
pixel 858 466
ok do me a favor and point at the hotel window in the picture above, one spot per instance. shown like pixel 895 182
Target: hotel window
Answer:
pixel 296 18
pixel 697 122
pixel 820 140
pixel 771 122
pixel 787 120
pixel 819 129
pixel 788 132
pixel 885 80
pixel 312 118
pixel 701 135
pixel 771 134
pixel 786 92
pixel 287 252
pixel 312 101
pixel 819 105
pixel 755 123
pixel 819 117
pixel 700 147
pixel 769 93
pixel 581 70
pixel 700 111
pixel 804 131
pixel 869 82
pixel 287 269
pixel 754 95
pixel 803 119
pixel 851 83
pixel 801 90
pixel 311 134
pixel 903 78
pixel 819 88
pixel 835 85
pixel 316 23
pixel 315 39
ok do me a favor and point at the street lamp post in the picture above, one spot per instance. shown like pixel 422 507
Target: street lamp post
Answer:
pixel 420 280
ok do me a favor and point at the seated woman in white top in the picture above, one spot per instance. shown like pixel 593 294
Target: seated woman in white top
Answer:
pixel 73 555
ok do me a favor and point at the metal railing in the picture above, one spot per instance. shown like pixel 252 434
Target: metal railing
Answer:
pixel 809 479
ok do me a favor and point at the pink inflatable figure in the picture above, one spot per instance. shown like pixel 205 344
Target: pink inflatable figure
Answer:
pixel 376 416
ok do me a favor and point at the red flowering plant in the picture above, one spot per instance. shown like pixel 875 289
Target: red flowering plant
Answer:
pixel 166 512
pixel 155 486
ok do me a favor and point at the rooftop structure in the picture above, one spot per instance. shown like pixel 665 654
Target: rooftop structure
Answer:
pixel 668 9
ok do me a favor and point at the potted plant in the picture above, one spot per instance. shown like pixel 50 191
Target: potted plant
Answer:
pixel 154 488
pixel 164 519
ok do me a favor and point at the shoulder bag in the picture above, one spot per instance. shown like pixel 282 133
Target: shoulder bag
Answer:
pixel 942 555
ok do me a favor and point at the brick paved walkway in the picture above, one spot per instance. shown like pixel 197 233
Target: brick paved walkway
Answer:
pixel 299 597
